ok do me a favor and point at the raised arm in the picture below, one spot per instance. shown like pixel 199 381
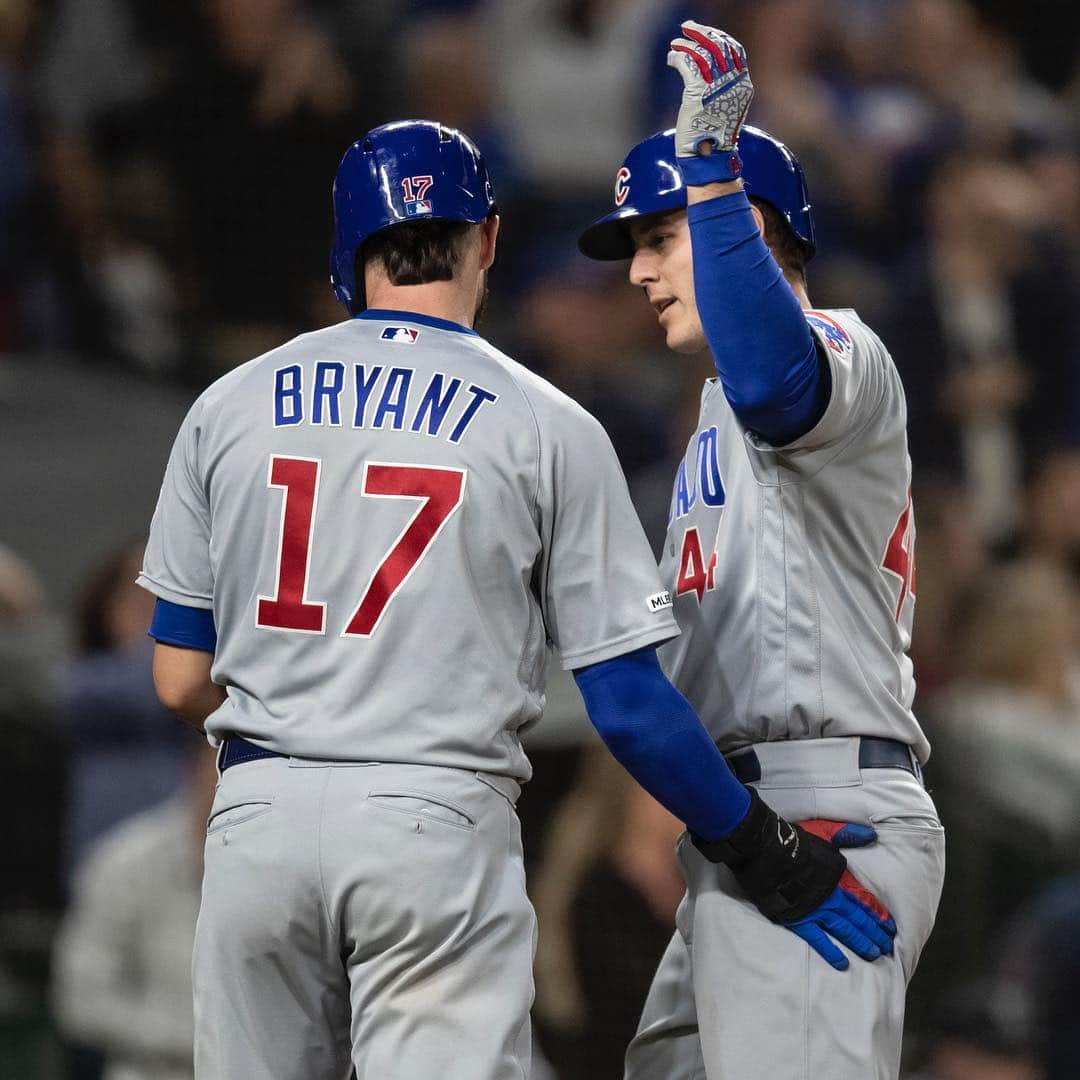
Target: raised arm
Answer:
pixel 773 374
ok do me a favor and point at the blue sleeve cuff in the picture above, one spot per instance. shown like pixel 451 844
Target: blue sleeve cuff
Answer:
pixel 654 733
pixel 187 627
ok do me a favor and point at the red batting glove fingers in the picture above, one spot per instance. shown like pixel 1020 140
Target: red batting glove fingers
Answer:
pixel 706 42
pixel 702 63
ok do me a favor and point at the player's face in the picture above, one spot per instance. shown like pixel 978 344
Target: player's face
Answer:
pixel 663 266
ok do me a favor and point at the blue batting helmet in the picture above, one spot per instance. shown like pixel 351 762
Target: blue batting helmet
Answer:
pixel 650 182
pixel 411 170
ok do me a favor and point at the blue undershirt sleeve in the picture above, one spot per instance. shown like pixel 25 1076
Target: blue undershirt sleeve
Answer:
pixel 188 627
pixel 767 359
pixel 653 732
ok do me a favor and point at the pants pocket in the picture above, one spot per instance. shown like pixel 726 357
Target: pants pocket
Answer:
pixel 422 806
pixel 237 814
pixel 914 821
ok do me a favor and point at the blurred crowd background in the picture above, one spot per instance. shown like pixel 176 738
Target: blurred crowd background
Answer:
pixel 165 174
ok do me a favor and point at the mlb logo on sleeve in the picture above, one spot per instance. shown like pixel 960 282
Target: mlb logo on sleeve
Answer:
pixel 402 335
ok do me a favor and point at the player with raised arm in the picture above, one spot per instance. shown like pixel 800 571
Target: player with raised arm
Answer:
pixel 364 543
pixel 790 555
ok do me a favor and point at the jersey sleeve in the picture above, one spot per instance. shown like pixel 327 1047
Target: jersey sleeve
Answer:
pixel 600 588
pixel 859 366
pixel 176 566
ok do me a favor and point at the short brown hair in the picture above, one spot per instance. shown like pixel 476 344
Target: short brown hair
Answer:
pixel 414 252
pixel 790 253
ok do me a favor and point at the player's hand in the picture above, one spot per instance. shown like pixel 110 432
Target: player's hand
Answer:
pixel 852 915
pixel 716 94
pixel 796 875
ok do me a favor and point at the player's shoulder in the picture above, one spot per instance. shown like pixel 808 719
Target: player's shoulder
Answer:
pixel 843 332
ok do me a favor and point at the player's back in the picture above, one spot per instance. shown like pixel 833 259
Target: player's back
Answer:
pixel 380 497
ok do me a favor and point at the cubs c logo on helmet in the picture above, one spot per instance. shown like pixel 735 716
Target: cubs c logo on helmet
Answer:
pixel 622 185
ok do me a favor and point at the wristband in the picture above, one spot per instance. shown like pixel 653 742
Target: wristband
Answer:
pixel 719 167
pixel 784 870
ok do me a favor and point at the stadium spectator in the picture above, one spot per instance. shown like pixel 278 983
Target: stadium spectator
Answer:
pixel 1051 524
pixel 951 557
pixel 1041 961
pixel 16 168
pixel 32 890
pixel 989 363
pixel 1006 762
pixel 122 981
pixel 126 752
pixel 606 892
pixel 980 1031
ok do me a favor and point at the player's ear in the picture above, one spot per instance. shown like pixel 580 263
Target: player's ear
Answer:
pixel 489 234
pixel 759 217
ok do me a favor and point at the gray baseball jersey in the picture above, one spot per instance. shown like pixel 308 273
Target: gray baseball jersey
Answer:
pixel 793 568
pixel 390 519
pixel 794 575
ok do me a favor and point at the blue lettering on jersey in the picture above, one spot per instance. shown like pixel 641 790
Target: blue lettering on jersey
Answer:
pixel 480 397
pixel 434 405
pixel 430 415
pixel 683 501
pixel 329 380
pixel 288 396
pixel 705 455
pixel 708 456
pixel 365 383
pixel 395 398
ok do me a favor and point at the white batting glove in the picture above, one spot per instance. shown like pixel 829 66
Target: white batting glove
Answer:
pixel 716 95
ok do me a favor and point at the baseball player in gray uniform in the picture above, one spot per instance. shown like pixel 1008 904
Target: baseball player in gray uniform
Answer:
pixel 364 543
pixel 790 555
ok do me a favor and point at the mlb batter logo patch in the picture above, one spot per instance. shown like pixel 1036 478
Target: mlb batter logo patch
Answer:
pixel 413 190
pixel 659 601
pixel 400 335
pixel 836 337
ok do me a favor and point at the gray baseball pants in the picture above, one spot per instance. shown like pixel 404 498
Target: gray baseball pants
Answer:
pixel 738 998
pixel 363 915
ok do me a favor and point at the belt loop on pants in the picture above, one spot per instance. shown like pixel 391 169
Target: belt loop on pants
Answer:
pixel 875 752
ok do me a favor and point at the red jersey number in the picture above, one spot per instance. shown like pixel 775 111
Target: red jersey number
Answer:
pixel 899 557
pixel 440 492
pixel 695 574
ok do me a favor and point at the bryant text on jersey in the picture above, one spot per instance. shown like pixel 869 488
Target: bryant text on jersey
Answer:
pixel 382 398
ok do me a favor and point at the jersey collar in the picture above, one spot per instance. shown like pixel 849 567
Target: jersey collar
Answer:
pixel 386 315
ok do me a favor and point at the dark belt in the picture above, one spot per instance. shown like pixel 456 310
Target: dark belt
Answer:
pixel 874 753
pixel 235 751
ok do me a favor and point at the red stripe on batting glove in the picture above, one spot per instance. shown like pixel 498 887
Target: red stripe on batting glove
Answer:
pixel 705 42
pixel 820 827
pixel 703 66
pixel 851 884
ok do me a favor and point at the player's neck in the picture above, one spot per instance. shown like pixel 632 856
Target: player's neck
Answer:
pixel 448 300
pixel 798 287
